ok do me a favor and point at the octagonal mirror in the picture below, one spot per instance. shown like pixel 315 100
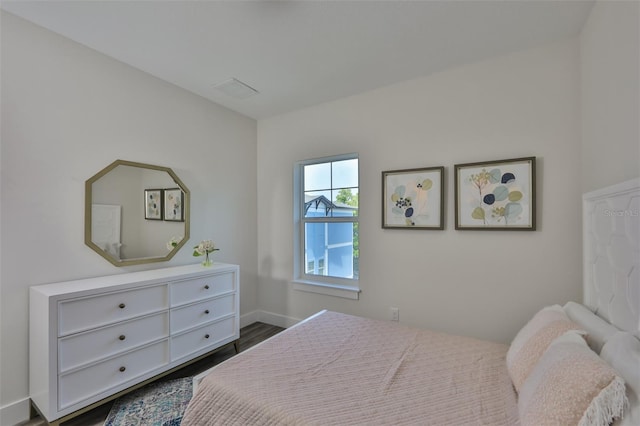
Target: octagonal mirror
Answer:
pixel 136 213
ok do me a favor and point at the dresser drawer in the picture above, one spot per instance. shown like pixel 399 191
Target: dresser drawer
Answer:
pixel 83 348
pixel 192 315
pixel 104 376
pixel 89 312
pixel 200 338
pixel 192 290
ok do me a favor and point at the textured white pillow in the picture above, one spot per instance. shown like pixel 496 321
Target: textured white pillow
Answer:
pixel 571 385
pixel 598 330
pixel 622 352
pixel 533 339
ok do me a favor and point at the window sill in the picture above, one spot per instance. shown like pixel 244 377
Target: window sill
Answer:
pixel 327 289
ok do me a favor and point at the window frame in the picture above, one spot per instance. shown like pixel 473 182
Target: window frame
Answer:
pixel 334 286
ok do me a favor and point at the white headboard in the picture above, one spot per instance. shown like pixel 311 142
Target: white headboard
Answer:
pixel 106 229
pixel 611 254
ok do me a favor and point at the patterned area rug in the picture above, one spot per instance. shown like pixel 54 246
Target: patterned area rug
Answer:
pixel 157 404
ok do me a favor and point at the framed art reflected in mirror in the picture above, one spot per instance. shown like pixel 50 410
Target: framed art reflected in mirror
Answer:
pixel 153 203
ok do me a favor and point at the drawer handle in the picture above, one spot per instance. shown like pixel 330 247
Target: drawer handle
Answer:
pixel 122 369
pixel 206 312
pixel 206 336
pixel 206 287
pixel 122 337
pixel 122 306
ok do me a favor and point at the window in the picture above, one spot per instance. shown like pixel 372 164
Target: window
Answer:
pixel 326 222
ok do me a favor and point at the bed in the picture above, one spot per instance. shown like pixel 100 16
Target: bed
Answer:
pixel 572 364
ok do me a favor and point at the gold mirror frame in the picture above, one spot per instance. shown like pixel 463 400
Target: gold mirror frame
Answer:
pixel 88 214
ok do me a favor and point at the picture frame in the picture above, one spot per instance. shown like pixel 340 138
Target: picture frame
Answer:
pixel 153 204
pixel 496 195
pixel 413 198
pixel 173 205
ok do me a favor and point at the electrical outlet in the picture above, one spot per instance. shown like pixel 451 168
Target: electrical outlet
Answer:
pixel 395 314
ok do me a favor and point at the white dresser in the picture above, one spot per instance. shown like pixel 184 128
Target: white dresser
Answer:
pixel 92 338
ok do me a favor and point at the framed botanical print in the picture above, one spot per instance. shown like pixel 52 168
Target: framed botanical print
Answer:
pixel 496 195
pixel 413 198
pixel 153 203
pixel 174 205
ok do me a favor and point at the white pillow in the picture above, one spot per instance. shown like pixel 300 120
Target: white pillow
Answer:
pixel 598 330
pixel 622 352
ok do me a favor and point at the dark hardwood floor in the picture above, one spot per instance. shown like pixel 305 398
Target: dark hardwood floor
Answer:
pixel 249 336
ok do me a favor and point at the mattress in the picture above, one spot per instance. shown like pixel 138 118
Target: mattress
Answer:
pixel 337 369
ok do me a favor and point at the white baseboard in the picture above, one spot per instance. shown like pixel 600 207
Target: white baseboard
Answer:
pixel 267 318
pixel 277 319
pixel 15 412
pixel 249 318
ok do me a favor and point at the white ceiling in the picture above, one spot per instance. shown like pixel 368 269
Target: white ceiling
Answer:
pixel 301 53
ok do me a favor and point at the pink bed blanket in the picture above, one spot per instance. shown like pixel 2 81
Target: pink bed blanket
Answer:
pixel 338 369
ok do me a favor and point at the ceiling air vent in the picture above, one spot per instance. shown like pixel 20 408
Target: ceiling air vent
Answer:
pixel 236 89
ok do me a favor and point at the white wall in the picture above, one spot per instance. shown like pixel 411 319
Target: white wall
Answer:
pixel 479 283
pixel 67 112
pixel 610 66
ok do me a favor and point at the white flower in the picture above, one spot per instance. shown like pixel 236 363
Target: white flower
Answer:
pixel 173 242
pixel 205 247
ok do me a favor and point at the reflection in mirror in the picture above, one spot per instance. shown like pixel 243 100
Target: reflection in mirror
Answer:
pixel 134 211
